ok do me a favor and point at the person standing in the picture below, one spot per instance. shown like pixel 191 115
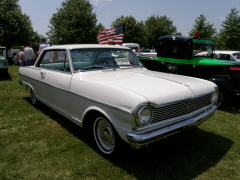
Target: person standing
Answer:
pixel 21 56
pixel 10 57
pixel 29 54
pixel 152 50
pixel 43 45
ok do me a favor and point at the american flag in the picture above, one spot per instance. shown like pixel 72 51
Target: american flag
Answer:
pixel 111 36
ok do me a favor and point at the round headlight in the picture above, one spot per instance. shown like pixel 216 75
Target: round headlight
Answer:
pixel 214 98
pixel 144 116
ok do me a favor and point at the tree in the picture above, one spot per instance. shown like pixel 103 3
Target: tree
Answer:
pixel 73 23
pixel 157 26
pixel 100 27
pixel 229 36
pixel 134 31
pixel 205 29
pixel 15 27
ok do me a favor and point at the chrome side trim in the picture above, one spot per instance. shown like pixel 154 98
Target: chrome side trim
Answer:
pixel 26 84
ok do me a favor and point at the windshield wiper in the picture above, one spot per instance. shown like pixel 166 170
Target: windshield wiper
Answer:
pixel 136 65
pixel 130 66
pixel 93 67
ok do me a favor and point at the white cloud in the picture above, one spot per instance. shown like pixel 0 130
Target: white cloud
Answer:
pixel 222 18
pixel 96 2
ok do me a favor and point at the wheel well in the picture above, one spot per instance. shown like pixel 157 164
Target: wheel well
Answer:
pixel 90 117
pixel 222 84
pixel 28 87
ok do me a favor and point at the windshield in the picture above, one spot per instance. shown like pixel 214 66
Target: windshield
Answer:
pixel 202 50
pixel 100 58
pixel 237 56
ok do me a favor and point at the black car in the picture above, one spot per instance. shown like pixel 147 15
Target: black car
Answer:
pixel 182 55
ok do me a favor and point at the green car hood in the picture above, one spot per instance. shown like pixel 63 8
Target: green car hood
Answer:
pixel 196 61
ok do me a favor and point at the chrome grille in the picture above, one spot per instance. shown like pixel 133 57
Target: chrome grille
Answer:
pixel 180 108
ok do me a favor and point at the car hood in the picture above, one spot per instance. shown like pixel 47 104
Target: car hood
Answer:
pixel 156 87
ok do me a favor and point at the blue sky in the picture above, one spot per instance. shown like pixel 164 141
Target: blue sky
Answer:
pixel 182 12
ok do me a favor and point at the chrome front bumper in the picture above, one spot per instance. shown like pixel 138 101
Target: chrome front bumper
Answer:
pixel 140 140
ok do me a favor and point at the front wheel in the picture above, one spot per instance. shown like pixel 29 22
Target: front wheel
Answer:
pixel 105 135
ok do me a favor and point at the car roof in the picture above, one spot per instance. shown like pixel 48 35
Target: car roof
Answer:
pixel 174 37
pixel 83 46
pixel 221 52
pixel 130 44
pixel 226 52
pixel 195 40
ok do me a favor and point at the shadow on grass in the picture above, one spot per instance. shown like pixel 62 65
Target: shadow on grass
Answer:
pixel 183 157
pixel 5 78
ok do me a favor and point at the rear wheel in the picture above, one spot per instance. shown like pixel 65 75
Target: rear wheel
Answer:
pixel 105 136
pixel 33 97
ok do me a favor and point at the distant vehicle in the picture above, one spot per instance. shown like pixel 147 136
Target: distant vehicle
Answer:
pixel 108 91
pixel 134 46
pixel 223 55
pixel 184 55
pixel 3 64
pixel 139 54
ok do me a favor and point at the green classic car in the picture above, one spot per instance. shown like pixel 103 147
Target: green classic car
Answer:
pixel 3 64
pixel 182 55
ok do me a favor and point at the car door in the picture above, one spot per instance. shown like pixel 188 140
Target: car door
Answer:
pixel 55 75
pixel 177 59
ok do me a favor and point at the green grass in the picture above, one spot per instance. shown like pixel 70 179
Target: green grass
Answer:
pixel 38 143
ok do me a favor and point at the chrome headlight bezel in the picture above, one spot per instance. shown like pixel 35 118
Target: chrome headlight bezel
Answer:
pixel 144 116
pixel 214 98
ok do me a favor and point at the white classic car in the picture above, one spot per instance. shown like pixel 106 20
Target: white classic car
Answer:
pixel 227 55
pixel 223 55
pixel 107 89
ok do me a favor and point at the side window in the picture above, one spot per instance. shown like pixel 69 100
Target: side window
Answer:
pixel 46 58
pixel 227 57
pixel 224 57
pixel 176 49
pixel 218 57
pixel 55 60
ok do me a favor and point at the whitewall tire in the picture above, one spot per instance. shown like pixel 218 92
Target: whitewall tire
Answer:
pixel 104 135
pixel 33 97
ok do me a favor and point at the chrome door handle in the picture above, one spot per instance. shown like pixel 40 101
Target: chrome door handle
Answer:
pixel 42 74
